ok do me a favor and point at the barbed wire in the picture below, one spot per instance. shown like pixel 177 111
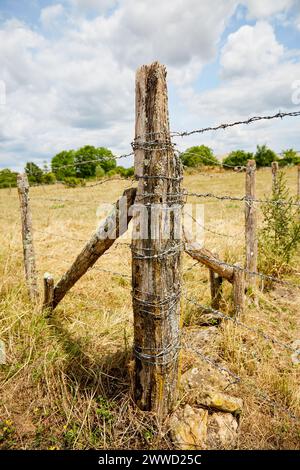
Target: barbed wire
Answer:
pixel 280 115
pixel 246 199
pixel 204 227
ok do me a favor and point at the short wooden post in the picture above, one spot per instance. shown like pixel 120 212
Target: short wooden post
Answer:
pixel 238 291
pixel 216 283
pixel 156 258
pixel 48 292
pixel 250 223
pixel 274 173
pixel 298 182
pixel 28 250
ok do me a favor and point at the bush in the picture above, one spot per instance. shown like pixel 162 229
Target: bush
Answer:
pixel 49 178
pixel 264 156
pixel 280 235
pixel 237 158
pixel 199 156
pixel 99 172
pixel 8 179
pixel 72 182
pixel 129 172
pixel 290 158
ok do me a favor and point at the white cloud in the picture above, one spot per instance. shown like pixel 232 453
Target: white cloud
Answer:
pixel 259 78
pixel 97 5
pixel 51 14
pixel 250 51
pixel 266 8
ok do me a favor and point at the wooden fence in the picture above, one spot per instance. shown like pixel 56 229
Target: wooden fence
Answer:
pixel 156 260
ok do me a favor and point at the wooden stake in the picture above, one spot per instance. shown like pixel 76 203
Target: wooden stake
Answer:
pixel 238 292
pixel 28 250
pixel 156 261
pixel 113 227
pixel 48 292
pixel 250 223
pixel 216 283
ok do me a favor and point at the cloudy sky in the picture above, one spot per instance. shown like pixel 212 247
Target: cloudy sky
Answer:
pixel 68 68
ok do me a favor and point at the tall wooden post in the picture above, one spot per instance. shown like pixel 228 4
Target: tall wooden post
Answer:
pixel 298 182
pixel 250 223
pixel 274 173
pixel 156 247
pixel 28 250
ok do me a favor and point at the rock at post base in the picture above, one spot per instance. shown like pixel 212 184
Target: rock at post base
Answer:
pixel 222 431
pixel 188 428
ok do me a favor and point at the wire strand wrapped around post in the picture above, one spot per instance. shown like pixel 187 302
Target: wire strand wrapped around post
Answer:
pixel 156 247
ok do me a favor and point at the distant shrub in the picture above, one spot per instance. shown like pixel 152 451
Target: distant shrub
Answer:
pixel 237 158
pixel 99 172
pixel 265 156
pixel 129 172
pixel 8 179
pixel 199 156
pixel 49 178
pixel 290 158
pixel 72 182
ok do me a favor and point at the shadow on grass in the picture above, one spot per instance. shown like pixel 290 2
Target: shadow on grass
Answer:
pixel 107 375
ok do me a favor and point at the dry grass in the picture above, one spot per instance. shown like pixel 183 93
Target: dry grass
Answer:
pixel 66 383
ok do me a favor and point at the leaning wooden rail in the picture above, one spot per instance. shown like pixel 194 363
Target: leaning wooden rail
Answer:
pixel 101 241
pixel 235 275
pixel 207 258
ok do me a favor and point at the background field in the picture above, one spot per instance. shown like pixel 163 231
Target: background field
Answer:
pixel 66 383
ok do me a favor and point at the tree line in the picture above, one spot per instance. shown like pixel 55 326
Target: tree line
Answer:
pixel 203 156
pixel 75 167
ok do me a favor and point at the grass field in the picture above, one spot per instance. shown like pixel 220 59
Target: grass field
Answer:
pixel 66 384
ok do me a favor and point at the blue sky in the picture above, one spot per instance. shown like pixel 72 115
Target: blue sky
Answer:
pixel 68 71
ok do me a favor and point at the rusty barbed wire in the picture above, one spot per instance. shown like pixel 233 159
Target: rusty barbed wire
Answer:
pixel 246 199
pixel 278 115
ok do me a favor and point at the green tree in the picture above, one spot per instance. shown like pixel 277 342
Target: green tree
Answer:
pixel 34 173
pixel 63 159
pixel 237 158
pixel 88 158
pixel 8 178
pixel 264 156
pixel 198 156
pixel 290 157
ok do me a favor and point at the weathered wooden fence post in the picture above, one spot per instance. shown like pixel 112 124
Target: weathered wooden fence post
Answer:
pixel 250 223
pixel 28 250
pixel 48 292
pixel 274 173
pixel 298 182
pixel 156 247
pixel 216 283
